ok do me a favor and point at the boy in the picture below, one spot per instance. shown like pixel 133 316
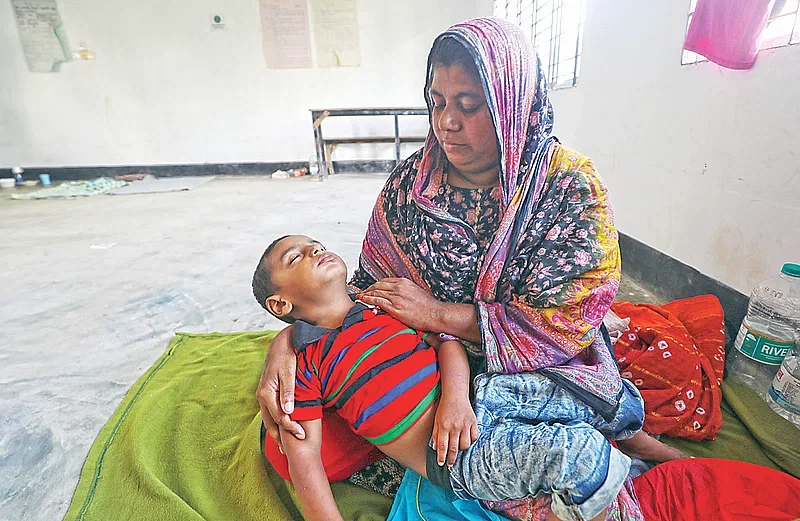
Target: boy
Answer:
pixel 384 381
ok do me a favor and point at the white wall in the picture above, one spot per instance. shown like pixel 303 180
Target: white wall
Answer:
pixel 165 88
pixel 703 163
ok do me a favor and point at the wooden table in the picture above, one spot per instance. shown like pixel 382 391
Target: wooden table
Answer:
pixel 324 147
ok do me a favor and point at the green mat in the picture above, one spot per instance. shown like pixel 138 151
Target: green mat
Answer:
pixel 99 186
pixel 184 444
pixel 750 432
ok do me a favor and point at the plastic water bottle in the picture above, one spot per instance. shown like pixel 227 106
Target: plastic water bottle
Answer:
pixel 768 332
pixel 313 165
pixel 784 393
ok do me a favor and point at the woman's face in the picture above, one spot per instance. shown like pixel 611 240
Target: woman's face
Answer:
pixel 461 121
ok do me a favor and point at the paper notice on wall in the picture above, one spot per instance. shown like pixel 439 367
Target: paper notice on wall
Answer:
pixel 336 33
pixel 42 34
pixel 286 36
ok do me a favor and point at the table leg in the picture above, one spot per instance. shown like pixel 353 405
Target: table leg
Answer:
pixel 397 140
pixel 319 145
pixel 329 155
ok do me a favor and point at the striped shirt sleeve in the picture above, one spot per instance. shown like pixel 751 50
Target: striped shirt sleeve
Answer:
pixel 307 389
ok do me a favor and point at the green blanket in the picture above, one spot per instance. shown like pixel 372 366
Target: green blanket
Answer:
pixel 750 432
pixel 184 444
pixel 101 185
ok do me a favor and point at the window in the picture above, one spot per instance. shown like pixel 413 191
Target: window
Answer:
pixel 555 28
pixel 783 28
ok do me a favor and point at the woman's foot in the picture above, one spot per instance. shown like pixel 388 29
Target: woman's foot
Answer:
pixel 644 447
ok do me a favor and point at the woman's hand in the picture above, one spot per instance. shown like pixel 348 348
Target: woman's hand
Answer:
pixel 275 391
pixel 455 428
pixel 407 302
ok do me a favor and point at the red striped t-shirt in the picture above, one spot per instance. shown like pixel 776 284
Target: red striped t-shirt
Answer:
pixel 378 374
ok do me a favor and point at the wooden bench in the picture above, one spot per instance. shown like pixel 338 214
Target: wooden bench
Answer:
pixel 326 146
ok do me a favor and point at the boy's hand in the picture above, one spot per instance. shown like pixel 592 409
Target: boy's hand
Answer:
pixel 455 428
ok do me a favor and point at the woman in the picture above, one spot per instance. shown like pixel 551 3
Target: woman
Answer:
pixel 494 233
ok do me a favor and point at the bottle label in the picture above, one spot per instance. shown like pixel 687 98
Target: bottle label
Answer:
pixel 764 349
pixel 785 390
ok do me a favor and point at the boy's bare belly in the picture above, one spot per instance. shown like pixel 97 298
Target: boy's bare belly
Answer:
pixel 410 448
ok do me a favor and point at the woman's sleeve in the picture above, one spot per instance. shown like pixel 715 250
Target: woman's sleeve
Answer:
pixel 564 277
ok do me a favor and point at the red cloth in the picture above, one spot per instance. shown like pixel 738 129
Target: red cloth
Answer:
pixel 717 489
pixel 343 451
pixel 675 356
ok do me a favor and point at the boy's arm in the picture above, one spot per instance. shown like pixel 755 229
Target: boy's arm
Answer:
pixel 308 474
pixel 454 367
pixel 455 427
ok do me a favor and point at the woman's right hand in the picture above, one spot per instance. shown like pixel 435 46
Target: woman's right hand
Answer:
pixel 275 391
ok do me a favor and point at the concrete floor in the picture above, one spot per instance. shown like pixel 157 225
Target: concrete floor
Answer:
pixel 80 323
pixel 632 291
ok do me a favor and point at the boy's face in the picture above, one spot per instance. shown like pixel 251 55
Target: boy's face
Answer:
pixel 302 270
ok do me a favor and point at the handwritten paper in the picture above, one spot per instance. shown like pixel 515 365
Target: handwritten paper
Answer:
pixel 43 39
pixel 336 33
pixel 286 36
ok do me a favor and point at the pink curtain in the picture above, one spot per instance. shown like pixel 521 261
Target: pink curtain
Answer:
pixel 728 32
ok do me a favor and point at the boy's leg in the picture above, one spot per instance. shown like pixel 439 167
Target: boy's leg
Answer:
pixel 644 447
pixel 629 418
pixel 625 427
pixel 533 397
pixel 536 438
pixel 573 463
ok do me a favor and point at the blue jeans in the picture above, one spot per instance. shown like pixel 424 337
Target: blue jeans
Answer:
pixel 536 438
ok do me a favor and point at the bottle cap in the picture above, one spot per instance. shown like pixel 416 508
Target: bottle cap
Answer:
pixel 793 270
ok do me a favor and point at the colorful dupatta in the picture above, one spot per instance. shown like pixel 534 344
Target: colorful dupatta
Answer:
pixel 544 284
